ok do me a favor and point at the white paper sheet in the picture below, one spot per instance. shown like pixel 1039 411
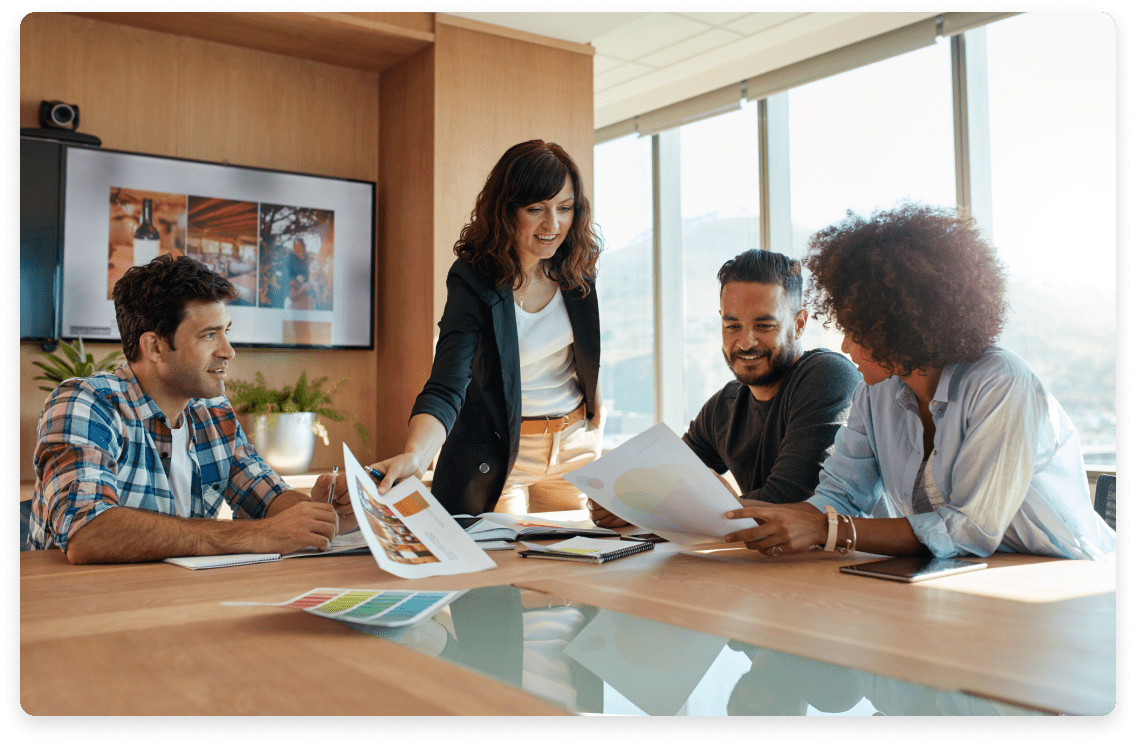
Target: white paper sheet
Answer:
pixel 655 481
pixel 410 534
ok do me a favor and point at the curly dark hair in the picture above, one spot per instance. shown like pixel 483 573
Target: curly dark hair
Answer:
pixel 153 297
pixel 527 173
pixel 917 286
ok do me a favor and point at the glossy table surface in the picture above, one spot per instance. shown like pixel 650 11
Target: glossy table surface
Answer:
pixel 1029 632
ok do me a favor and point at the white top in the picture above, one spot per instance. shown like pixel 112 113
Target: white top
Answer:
pixel 181 470
pixel 548 366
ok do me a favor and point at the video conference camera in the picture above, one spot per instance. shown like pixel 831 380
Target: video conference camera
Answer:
pixel 58 115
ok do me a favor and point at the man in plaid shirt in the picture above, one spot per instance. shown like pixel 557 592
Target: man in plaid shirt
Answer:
pixel 132 466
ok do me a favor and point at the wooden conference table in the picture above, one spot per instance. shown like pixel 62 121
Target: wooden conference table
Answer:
pixel 153 639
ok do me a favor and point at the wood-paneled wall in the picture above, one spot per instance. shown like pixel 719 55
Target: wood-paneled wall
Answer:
pixel 448 112
pixel 492 93
pixel 164 94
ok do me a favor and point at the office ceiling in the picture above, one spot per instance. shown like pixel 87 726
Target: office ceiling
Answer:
pixel 647 60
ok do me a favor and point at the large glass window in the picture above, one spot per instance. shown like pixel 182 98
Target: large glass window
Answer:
pixel 867 139
pixel 1052 88
pixel 720 198
pixel 625 286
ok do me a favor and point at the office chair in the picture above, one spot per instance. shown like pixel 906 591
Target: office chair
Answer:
pixel 1105 501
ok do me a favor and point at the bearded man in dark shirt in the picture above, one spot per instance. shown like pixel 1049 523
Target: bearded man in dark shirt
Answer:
pixel 774 425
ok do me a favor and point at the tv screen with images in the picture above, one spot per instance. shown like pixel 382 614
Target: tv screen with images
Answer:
pixel 299 249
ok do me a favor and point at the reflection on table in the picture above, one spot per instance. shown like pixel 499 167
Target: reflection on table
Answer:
pixel 590 660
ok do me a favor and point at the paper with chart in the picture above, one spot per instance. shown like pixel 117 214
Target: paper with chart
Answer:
pixel 388 608
pixel 410 534
pixel 655 481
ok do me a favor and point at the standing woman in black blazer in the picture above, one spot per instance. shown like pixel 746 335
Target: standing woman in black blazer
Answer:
pixel 511 398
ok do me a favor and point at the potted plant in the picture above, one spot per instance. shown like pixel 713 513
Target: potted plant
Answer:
pixel 283 424
pixel 76 362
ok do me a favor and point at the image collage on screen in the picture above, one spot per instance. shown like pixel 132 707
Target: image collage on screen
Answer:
pixel 277 256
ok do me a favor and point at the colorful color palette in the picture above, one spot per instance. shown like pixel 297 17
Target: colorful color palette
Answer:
pixel 378 605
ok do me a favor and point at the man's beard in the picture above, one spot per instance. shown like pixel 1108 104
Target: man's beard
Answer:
pixel 779 363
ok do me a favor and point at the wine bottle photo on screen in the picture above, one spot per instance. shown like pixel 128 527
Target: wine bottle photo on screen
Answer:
pixel 146 238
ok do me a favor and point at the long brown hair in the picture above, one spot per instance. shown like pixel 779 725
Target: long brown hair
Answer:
pixel 527 173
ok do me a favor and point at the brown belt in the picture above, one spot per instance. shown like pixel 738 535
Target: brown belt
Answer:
pixel 550 424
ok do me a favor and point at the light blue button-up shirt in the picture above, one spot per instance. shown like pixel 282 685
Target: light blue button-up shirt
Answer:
pixel 1007 463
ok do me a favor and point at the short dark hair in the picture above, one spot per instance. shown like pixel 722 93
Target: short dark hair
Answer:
pixel 153 297
pixel 917 285
pixel 765 267
pixel 527 173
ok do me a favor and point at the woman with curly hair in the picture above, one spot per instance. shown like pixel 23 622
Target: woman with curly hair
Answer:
pixel 511 399
pixel 952 446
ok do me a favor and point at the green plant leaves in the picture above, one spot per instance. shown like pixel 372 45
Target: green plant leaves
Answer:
pixel 76 362
pixel 256 399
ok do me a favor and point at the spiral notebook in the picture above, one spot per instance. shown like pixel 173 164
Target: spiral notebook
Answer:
pixel 585 549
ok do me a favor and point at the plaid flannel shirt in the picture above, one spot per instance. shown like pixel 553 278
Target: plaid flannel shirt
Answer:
pixel 103 442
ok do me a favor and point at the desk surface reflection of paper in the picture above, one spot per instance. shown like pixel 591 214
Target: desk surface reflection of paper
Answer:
pixel 655 666
pixel 655 481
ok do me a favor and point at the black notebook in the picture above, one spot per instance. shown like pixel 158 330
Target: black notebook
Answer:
pixel 585 549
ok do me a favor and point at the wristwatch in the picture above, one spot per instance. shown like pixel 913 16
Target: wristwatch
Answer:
pixel 830 544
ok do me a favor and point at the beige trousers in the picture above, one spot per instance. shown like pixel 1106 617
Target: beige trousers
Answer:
pixel 536 483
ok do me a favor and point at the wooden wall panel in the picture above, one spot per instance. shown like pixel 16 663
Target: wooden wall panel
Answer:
pixel 407 268
pixel 492 93
pixel 163 94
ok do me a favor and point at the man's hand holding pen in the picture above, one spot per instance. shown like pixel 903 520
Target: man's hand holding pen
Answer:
pixel 340 500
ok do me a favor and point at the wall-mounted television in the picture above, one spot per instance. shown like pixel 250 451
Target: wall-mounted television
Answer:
pixel 298 248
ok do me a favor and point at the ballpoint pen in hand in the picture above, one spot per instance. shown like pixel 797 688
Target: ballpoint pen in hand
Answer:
pixel 331 490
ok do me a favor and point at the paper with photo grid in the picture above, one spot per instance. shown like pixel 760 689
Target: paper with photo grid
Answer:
pixel 409 533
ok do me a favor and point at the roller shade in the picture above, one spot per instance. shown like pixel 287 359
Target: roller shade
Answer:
pixel 862 53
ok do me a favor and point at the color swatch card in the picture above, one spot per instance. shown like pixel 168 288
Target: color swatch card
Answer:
pixel 409 533
pixel 655 481
pixel 389 608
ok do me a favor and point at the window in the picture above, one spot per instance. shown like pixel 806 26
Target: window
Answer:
pixel 1039 171
pixel 625 286
pixel 719 192
pixel 865 140
pixel 1052 88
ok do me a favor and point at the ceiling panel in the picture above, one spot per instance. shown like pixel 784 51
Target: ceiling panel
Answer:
pixel 683 50
pixel 715 19
pixel 645 61
pixel 648 34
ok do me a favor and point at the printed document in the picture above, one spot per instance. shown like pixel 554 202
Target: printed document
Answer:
pixel 655 481
pixel 410 534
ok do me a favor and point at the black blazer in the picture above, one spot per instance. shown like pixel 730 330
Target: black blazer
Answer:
pixel 475 385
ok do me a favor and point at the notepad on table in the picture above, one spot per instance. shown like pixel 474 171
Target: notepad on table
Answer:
pixel 196 562
pixel 349 543
pixel 585 549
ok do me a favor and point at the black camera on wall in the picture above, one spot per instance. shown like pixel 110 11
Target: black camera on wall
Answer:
pixel 58 115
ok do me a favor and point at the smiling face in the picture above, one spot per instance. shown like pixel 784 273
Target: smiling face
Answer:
pixel 195 366
pixel 542 226
pixel 760 334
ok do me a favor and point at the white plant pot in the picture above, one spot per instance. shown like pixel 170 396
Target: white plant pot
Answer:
pixel 284 440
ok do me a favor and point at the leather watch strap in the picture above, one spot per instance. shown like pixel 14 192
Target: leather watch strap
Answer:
pixel 830 543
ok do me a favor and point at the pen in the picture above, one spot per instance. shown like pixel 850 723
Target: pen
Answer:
pixel 331 490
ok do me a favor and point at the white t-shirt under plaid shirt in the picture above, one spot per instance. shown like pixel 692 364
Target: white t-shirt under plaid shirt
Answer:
pixel 102 442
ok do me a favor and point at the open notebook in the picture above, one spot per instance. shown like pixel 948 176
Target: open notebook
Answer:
pixel 350 543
